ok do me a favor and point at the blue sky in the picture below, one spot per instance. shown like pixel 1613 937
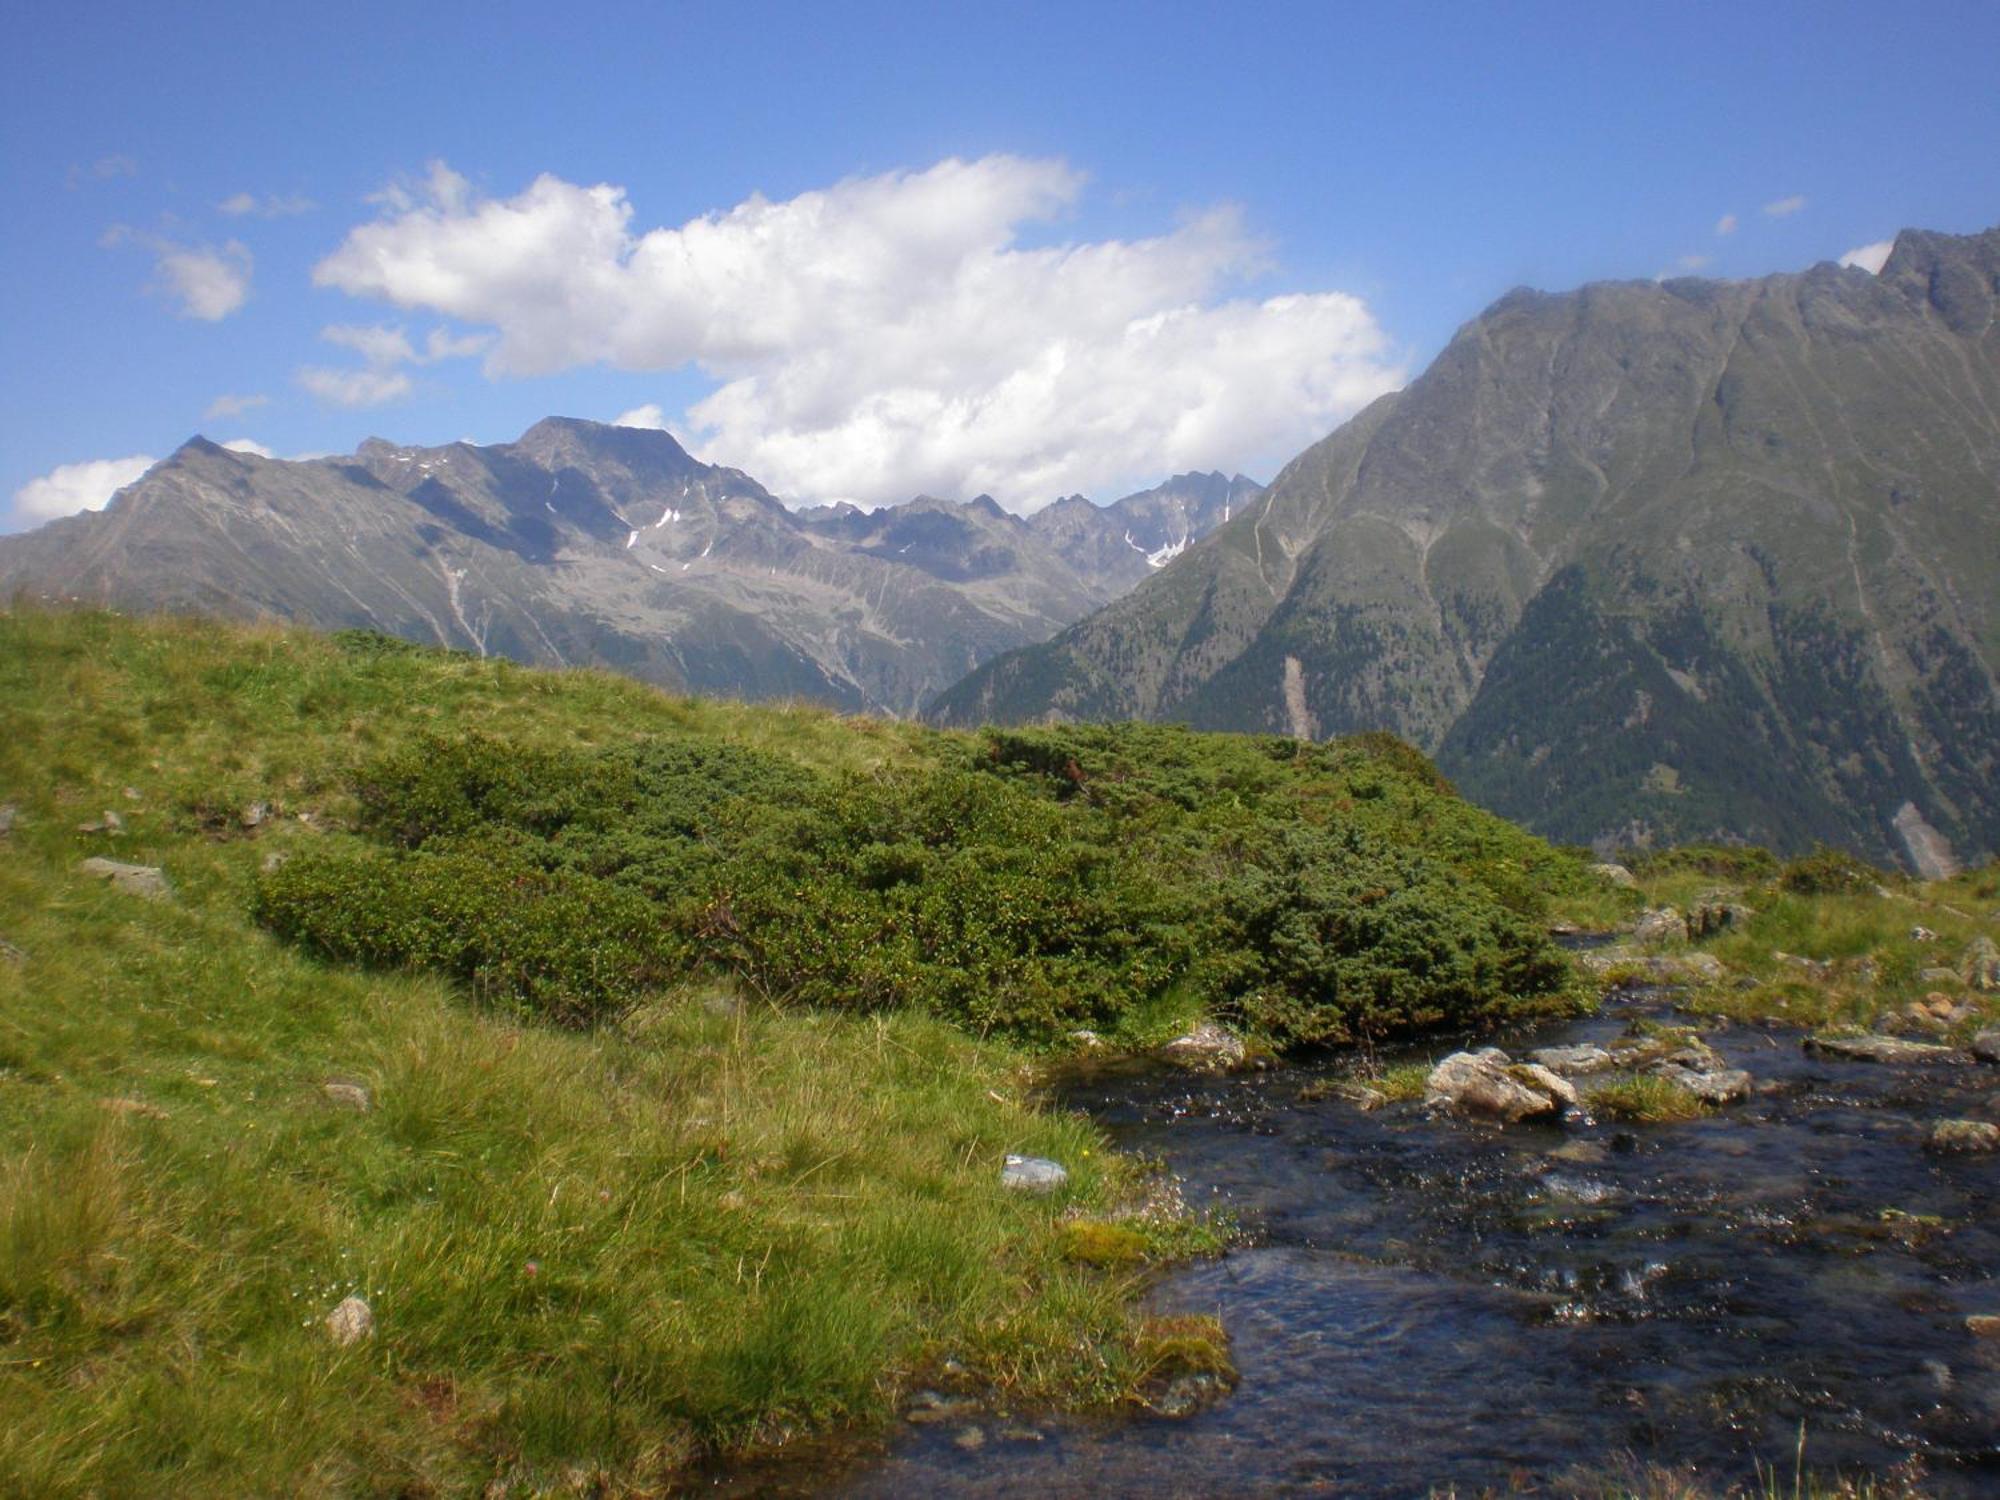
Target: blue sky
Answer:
pixel 868 249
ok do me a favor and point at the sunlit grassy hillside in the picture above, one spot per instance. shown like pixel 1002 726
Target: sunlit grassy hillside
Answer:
pixel 747 1185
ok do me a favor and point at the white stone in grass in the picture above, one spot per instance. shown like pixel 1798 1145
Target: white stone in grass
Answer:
pixel 1032 1174
pixel 133 880
pixel 351 1322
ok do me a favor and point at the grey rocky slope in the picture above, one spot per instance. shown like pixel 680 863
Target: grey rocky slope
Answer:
pixel 582 544
pixel 1641 560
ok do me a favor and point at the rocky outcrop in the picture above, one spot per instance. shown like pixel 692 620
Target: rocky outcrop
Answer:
pixel 1489 1085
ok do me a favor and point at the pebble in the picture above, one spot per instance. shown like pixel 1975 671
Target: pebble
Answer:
pixel 1032 1174
pixel 351 1322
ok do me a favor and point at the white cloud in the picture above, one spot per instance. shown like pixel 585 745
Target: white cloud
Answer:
pixel 210 281
pixel 1689 264
pixel 381 345
pixel 1726 225
pixel 248 445
pixel 1870 258
pixel 648 415
pixel 69 488
pixel 354 387
pixel 1783 208
pixel 442 343
pixel 271 206
pixel 232 406
pixel 891 334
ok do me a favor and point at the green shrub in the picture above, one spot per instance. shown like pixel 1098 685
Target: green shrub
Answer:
pixel 564 945
pixel 1047 880
pixel 1828 872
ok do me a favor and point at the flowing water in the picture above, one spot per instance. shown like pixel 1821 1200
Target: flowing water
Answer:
pixel 1428 1303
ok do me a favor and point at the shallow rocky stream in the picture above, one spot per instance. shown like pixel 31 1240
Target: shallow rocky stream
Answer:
pixel 1429 1302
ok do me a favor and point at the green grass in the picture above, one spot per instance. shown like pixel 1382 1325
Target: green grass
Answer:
pixel 1404 1083
pixel 1643 1099
pixel 592 1254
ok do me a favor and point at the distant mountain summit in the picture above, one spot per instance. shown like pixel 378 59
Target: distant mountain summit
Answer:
pixel 1642 560
pixel 582 543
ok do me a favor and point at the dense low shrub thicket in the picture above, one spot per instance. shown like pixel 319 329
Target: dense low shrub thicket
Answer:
pixel 1026 882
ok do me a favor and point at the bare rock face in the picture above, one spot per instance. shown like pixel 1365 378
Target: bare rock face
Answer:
pixel 147 881
pixel 1487 1084
pixel 350 1323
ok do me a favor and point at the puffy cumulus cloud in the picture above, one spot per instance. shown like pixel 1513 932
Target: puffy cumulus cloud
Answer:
pixel 1784 208
pixel 209 281
pixel 892 334
pixel 1870 258
pixel 69 488
pixel 249 445
pixel 354 387
pixel 648 416
pixel 232 406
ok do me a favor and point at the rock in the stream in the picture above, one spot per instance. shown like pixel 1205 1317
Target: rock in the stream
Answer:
pixel 148 881
pixel 1964 1136
pixel 1032 1174
pixel 1720 1086
pixel 1983 1326
pixel 1881 1049
pixel 1187 1394
pixel 1980 965
pixel 1574 1062
pixel 351 1322
pixel 1618 875
pixel 1487 1083
pixel 1660 924
pixel 1986 1046
pixel 1207 1048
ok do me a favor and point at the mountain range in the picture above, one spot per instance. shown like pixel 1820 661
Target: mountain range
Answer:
pixel 583 543
pixel 1642 561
